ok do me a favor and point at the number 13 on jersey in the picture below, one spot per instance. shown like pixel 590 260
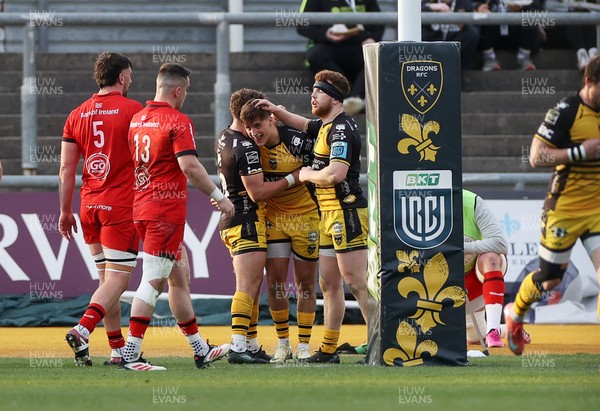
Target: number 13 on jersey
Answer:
pixel 142 148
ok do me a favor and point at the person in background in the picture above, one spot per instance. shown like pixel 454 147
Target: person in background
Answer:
pixel 526 38
pixel 583 38
pixel 467 35
pixel 339 47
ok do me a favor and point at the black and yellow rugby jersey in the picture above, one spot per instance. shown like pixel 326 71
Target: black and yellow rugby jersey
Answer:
pixel 575 187
pixel 237 156
pixel 338 140
pixel 294 150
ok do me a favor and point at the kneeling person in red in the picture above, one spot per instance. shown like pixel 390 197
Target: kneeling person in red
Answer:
pixel 161 140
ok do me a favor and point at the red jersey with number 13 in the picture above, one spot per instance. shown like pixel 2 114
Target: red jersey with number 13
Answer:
pixel 99 127
pixel 158 135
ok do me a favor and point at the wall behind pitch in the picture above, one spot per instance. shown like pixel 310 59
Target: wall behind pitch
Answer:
pixel 35 258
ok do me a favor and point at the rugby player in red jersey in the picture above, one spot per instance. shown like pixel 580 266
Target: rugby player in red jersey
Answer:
pixel 97 130
pixel 161 141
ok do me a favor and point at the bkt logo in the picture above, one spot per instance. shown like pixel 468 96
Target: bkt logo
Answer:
pixel 423 208
pixel 422 180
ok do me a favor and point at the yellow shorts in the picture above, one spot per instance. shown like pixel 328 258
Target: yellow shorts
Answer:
pixel 245 238
pixel 343 230
pixel 560 233
pixel 298 233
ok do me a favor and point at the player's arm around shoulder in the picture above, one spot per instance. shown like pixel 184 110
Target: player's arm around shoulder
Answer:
pixel 260 190
pixel 329 176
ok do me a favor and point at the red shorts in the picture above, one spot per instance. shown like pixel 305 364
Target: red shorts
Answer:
pixel 473 286
pixel 111 226
pixel 160 238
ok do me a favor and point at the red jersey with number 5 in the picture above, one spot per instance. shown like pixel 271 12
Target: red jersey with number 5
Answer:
pixel 99 127
pixel 158 135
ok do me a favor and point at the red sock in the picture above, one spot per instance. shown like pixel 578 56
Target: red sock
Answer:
pixel 138 326
pixel 92 316
pixel 189 327
pixel 115 339
pixel 493 287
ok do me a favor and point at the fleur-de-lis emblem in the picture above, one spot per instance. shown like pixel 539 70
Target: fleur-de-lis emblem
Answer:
pixel 412 90
pixel 422 101
pixel 431 294
pixel 410 353
pixel 408 261
pixel 431 89
pixel 419 137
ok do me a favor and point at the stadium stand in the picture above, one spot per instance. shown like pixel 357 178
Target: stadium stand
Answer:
pixel 499 116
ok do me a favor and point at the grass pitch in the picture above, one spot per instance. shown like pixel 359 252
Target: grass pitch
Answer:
pixel 537 381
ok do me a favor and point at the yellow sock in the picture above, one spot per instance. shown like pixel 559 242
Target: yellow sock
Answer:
pixel 330 340
pixel 305 323
pixel 281 319
pixel 252 331
pixel 241 311
pixel 529 293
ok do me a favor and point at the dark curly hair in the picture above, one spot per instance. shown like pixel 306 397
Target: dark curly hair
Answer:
pixel 241 97
pixel 108 67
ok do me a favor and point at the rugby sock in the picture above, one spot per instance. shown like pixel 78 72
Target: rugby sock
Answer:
pixel 241 313
pixel 92 316
pixel 252 345
pixel 305 323
pixel 137 328
pixel 330 340
pixel 523 54
pixel 252 327
pixel 131 351
pixel 190 330
pixel 252 337
pixel 493 314
pixel 529 292
pixel 115 339
pixel 472 335
pixel 493 295
pixel 281 320
pixel 489 54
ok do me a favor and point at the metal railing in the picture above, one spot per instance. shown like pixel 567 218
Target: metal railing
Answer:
pixel 221 21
